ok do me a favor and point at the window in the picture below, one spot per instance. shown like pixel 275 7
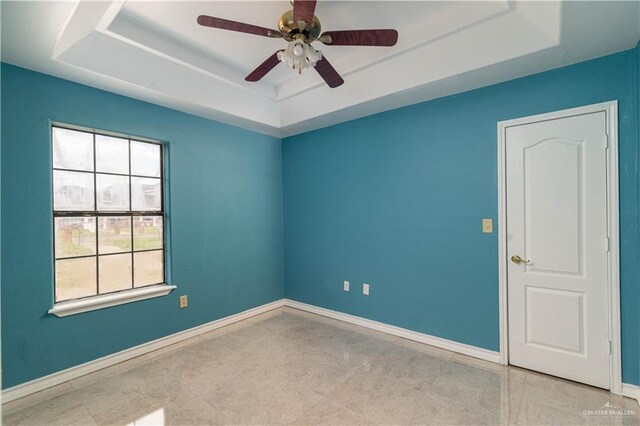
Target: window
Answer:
pixel 108 214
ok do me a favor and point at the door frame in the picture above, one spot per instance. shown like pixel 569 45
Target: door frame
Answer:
pixel 611 110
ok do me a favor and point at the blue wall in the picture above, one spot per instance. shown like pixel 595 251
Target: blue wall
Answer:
pixel 396 200
pixel 225 208
pixel 638 189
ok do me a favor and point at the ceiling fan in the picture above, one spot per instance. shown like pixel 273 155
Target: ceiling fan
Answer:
pixel 300 27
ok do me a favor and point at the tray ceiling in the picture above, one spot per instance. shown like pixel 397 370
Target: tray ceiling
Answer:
pixel 156 52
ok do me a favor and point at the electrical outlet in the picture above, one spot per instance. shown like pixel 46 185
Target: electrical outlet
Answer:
pixel 346 286
pixel 365 289
pixel 183 301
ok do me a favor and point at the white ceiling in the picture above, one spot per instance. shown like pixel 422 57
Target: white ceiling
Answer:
pixel 155 51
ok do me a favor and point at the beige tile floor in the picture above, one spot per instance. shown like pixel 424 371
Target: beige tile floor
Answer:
pixel 289 367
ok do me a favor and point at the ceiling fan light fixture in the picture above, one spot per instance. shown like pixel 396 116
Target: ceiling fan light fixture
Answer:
pixel 300 27
pixel 298 50
pixel 300 55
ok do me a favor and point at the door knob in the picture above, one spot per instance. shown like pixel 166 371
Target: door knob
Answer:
pixel 517 259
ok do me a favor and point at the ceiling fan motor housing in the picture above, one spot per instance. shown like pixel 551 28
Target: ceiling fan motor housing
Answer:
pixel 289 28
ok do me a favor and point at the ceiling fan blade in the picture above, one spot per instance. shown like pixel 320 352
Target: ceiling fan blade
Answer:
pixel 328 73
pixel 361 38
pixel 264 67
pixel 225 24
pixel 303 10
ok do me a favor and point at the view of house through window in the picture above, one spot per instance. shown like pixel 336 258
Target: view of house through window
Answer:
pixel 107 212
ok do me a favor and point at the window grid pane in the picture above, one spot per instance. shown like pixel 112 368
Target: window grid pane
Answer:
pixel 149 265
pixel 145 159
pixel 75 237
pixel 112 155
pixel 146 194
pixel 75 278
pixel 107 238
pixel 147 233
pixel 112 192
pixel 115 273
pixel 115 234
pixel 73 191
pixel 72 150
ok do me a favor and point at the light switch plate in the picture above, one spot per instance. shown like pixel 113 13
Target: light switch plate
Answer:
pixel 365 289
pixel 346 286
pixel 183 301
pixel 487 226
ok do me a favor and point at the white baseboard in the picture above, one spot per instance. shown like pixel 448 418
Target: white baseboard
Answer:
pixel 631 391
pixel 54 379
pixel 59 377
pixel 449 345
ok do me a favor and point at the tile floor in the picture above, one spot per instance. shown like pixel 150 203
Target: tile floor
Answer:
pixel 290 367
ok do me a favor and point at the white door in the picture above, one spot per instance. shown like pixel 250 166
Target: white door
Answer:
pixel 557 224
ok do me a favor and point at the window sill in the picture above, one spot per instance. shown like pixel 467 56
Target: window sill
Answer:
pixel 73 307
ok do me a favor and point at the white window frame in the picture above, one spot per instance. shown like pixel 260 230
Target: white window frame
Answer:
pixel 105 300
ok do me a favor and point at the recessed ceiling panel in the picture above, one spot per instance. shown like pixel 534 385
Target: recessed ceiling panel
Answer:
pixel 155 51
